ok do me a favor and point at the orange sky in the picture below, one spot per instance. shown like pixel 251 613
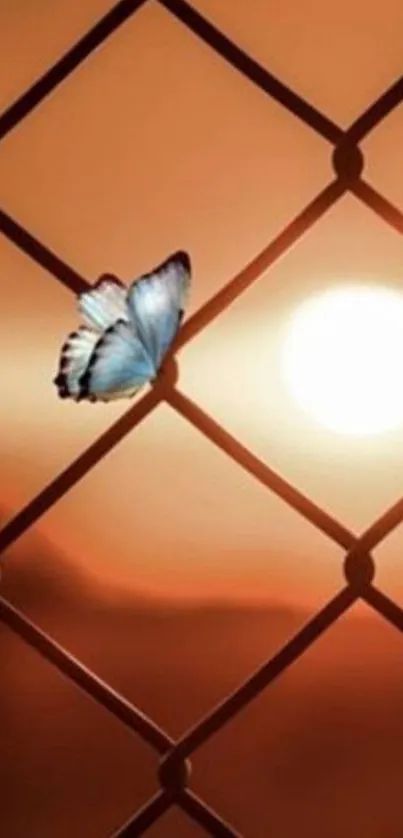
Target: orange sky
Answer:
pixel 155 144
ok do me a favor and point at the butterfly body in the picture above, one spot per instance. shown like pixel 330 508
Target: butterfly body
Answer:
pixel 126 335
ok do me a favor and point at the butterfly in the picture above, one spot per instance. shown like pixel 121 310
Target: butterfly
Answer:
pixel 126 333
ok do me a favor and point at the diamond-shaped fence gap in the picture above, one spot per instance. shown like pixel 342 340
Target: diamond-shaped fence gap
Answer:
pixel 45 36
pixel 39 434
pixel 198 119
pixel 244 347
pixel 133 549
pixel 320 751
pixel 380 148
pixel 202 650
pixel 136 536
pixel 337 73
pixel 198 652
pixel 68 767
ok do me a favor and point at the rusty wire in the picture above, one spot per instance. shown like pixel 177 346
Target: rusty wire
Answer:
pixel 358 567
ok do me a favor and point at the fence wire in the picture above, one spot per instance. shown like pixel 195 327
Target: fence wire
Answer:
pixel 358 566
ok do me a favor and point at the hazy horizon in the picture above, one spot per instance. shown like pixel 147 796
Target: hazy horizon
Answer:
pixel 335 712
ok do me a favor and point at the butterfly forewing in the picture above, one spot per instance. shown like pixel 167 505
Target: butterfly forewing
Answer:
pixel 157 301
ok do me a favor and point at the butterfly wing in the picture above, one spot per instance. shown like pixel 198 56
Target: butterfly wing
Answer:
pixel 74 358
pixel 104 304
pixel 157 302
pixel 100 307
pixel 118 367
pixel 127 333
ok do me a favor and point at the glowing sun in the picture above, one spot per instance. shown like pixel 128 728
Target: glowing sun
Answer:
pixel 343 359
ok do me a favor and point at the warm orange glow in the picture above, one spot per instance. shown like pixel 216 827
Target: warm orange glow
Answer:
pixel 175 569
pixel 109 186
pixel 343 358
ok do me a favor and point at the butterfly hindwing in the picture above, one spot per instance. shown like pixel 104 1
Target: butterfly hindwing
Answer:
pixel 118 367
pixel 74 358
pixel 104 304
pixel 157 301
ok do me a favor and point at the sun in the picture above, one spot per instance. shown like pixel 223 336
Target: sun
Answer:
pixel 343 359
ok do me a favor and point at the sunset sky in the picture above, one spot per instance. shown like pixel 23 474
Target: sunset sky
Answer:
pixel 155 144
pixel 168 570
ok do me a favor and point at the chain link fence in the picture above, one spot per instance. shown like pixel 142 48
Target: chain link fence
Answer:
pixel 358 566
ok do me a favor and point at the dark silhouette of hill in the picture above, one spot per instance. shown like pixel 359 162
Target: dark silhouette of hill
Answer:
pixel 32 568
pixel 319 754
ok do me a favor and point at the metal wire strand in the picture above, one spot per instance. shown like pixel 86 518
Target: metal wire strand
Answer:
pixel 275 250
pixel 253 71
pixel 206 817
pixel 379 530
pixel 84 678
pixel 348 163
pixel 145 817
pixel 377 111
pixel 257 682
pixel 101 447
pixel 67 64
pixel 41 254
pixel 259 470
pixel 383 208
pixel 384 606
pixel 77 470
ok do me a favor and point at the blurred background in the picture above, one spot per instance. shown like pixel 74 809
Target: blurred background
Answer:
pixel 167 569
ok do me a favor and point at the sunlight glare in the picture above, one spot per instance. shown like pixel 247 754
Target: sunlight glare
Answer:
pixel 343 359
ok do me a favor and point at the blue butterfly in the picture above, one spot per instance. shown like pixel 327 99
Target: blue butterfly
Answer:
pixel 126 335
